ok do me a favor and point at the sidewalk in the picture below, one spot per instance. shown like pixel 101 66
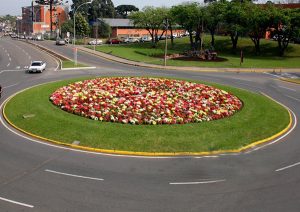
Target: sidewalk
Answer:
pixel 181 68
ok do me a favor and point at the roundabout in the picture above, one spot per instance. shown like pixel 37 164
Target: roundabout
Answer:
pixel 220 121
pixel 39 176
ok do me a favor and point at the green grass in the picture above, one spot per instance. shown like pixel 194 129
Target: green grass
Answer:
pixel 257 120
pixel 71 64
pixel 268 58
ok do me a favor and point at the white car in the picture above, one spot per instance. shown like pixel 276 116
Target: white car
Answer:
pixel 96 42
pixel 132 40
pixel 37 66
pixel 146 39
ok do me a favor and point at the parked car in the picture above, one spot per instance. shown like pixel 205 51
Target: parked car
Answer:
pixel 113 41
pixel 132 40
pixel 146 39
pixel 37 66
pixel 96 42
pixel 60 42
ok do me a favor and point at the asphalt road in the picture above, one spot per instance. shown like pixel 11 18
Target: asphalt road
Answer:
pixel 37 176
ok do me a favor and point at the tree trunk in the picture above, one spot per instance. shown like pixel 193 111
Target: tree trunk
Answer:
pixel 191 40
pixel 212 33
pixel 234 40
pixel 172 38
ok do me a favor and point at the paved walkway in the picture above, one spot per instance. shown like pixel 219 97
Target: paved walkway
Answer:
pixel 181 68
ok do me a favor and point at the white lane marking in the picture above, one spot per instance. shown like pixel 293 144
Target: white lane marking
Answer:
pixel 9 59
pixel 293 98
pixel 17 203
pixel 281 137
pixel 286 88
pixel 11 85
pixel 247 80
pixel 73 175
pixel 272 75
pixel 8 64
pixel 287 167
pixel 199 182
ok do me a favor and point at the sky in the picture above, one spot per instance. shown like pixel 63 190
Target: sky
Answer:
pixel 13 7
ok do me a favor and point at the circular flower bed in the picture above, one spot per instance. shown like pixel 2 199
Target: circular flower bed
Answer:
pixel 145 100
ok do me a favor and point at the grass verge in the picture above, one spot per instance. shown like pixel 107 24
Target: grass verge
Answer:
pixel 143 52
pixel 71 64
pixel 254 122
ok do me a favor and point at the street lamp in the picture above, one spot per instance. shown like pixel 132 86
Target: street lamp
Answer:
pixel 74 40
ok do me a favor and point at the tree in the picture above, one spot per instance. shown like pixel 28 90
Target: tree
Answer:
pixel 285 23
pixel 235 19
pixel 213 17
pixel 82 26
pixel 98 9
pixel 123 10
pixel 257 23
pixel 187 15
pixel 152 19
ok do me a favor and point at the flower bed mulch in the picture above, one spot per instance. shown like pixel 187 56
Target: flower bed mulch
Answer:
pixel 138 100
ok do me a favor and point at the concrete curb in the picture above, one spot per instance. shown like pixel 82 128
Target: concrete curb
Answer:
pixel 150 154
pixel 79 68
pixel 287 80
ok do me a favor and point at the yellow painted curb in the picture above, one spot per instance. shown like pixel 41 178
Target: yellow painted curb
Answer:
pixel 153 154
pixel 287 80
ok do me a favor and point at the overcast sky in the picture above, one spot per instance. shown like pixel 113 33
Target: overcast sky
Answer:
pixel 13 7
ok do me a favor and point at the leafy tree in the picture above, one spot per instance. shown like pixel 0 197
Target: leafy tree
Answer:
pixel 152 19
pixel 257 23
pixel 67 27
pixel 97 9
pixel 234 21
pixel 82 26
pixel 187 15
pixel 284 22
pixel 213 17
pixel 100 29
pixel 124 10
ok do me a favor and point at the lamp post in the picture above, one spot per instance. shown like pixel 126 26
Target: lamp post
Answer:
pixel 74 33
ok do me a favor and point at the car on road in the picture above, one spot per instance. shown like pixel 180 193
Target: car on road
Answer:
pixel 37 66
pixel 60 42
pixel 95 42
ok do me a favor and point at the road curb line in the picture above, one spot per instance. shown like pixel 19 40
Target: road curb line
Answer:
pixel 286 80
pixel 150 154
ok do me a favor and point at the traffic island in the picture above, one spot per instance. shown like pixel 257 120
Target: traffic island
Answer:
pixel 254 123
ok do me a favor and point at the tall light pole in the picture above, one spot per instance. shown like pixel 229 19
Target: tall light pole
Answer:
pixel 74 33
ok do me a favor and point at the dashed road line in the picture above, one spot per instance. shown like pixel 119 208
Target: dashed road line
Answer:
pixel 17 203
pixel 73 175
pixel 199 182
pixel 293 98
pixel 287 167
pixel 286 88
pixel 11 85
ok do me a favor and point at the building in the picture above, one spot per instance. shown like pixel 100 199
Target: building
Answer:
pixel 36 19
pixel 125 28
